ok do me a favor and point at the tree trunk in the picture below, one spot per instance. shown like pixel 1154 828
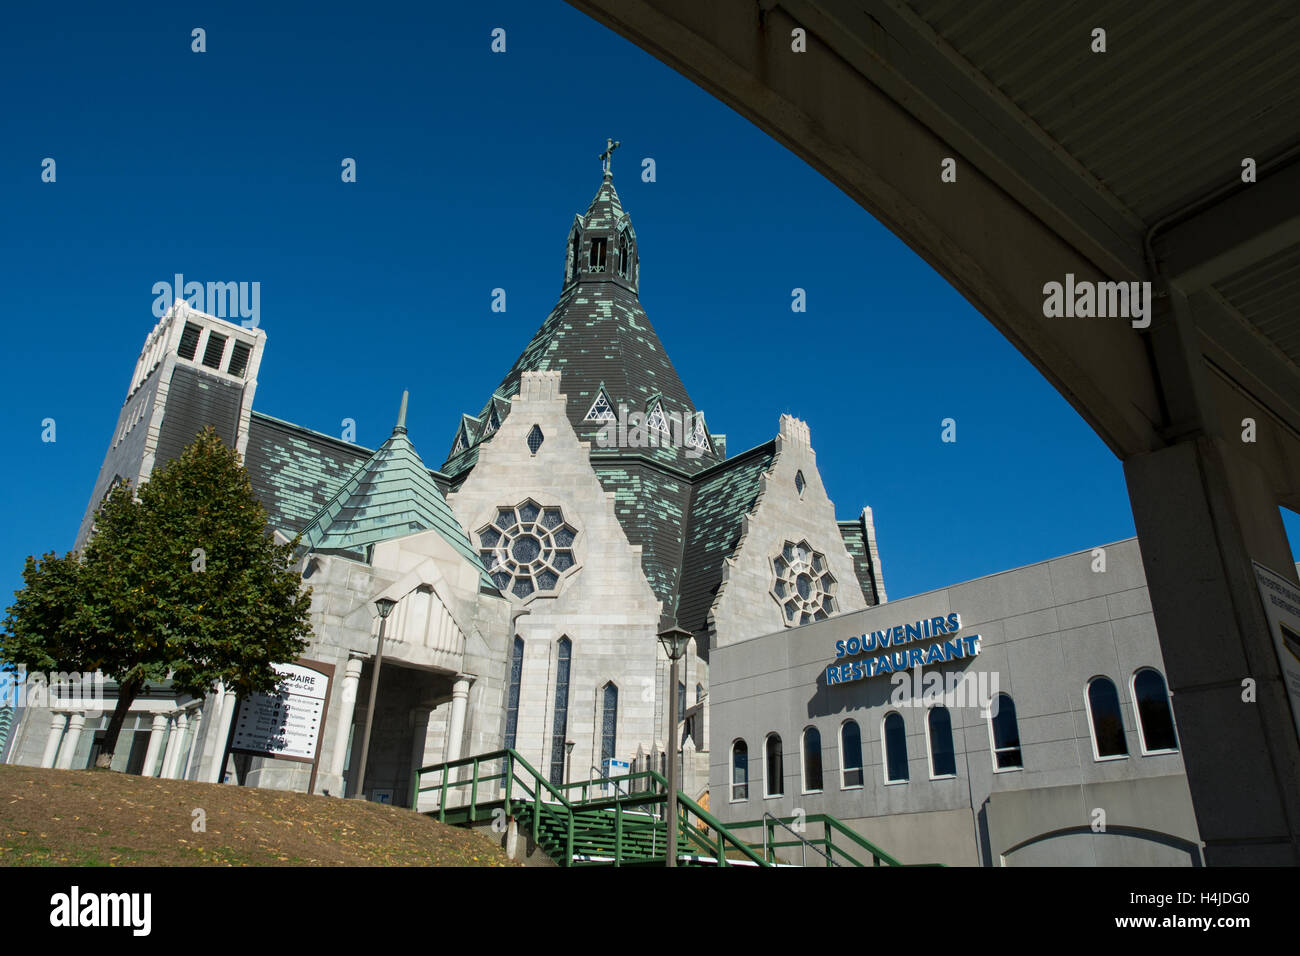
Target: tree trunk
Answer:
pixel 126 695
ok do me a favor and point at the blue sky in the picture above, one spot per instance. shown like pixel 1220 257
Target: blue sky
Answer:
pixel 224 166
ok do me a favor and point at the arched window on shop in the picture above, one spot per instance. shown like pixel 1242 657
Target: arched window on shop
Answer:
pixel 1006 734
pixel 1104 716
pixel 1154 715
pixel 851 754
pixel 739 771
pixel 774 773
pixel 894 737
pixel 812 760
pixel 943 758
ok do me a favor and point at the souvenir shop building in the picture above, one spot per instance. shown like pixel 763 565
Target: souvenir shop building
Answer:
pixel 1018 719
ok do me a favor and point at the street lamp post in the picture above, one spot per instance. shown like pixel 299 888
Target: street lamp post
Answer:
pixel 385 607
pixel 674 641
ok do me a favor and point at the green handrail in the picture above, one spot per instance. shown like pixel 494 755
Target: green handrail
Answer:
pixel 598 820
pixel 830 825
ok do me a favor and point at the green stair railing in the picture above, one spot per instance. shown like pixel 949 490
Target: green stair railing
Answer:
pixel 625 827
pixel 583 823
pixel 837 852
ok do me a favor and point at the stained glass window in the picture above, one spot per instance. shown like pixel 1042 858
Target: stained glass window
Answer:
pixel 802 586
pixel 608 724
pixel 560 722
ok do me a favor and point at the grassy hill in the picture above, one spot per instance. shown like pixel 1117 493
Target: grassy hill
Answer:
pixel 101 818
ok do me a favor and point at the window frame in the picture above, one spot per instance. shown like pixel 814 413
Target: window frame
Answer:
pixel 767 774
pixel 732 782
pixel 1137 714
pixel 929 745
pixel 803 761
pixel 884 751
pixel 1092 721
pixel 844 768
pixel 993 740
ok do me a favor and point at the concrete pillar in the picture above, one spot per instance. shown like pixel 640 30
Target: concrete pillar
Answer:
pixel 220 733
pixel 169 749
pixel 196 735
pixel 68 752
pixel 343 723
pixel 456 724
pixel 180 725
pixel 1203 512
pixel 57 722
pixel 156 731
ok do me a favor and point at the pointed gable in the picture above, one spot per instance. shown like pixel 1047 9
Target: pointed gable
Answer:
pixel 389 496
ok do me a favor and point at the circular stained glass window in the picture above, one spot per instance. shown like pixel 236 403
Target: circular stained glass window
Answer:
pixel 526 549
pixel 802 585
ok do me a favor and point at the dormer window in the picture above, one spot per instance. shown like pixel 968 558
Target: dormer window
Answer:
pixel 598 255
pixel 575 251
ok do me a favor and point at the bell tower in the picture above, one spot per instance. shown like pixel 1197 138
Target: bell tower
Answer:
pixel 194 370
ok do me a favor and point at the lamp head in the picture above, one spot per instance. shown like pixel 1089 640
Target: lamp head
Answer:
pixel 674 641
pixel 385 606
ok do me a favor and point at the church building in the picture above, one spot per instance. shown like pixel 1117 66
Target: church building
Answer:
pixel 583 509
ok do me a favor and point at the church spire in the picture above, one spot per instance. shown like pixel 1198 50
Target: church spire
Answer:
pixel 602 243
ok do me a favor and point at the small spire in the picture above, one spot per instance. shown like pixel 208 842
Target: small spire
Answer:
pixel 401 415
pixel 607 157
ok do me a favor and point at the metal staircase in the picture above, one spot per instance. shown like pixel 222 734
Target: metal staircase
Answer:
pixel 619 821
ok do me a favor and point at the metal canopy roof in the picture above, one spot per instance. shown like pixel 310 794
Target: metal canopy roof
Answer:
pixel 1100 164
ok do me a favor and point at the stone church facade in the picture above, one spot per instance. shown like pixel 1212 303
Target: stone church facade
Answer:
pixel 583 510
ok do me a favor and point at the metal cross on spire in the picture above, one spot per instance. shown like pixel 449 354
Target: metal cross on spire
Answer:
pixel 608 155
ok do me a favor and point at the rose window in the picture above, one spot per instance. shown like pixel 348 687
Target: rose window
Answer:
pixel 803 586
pixel 527 549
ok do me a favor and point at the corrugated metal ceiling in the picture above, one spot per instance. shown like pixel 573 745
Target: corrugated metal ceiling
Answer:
pixel 1153 117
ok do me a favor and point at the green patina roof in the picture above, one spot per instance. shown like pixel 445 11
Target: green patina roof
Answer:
pixel 391 495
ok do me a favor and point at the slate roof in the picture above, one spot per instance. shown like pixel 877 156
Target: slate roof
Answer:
pixel 684 510
pixel 390 495
pixel 722 497
pixel 295 470
pixel 855 540
pixel 596 334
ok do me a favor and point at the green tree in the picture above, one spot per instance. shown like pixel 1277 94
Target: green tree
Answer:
pixel 181 580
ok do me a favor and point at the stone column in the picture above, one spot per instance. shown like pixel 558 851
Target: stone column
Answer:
pixel 69 749
pixel 180 724
pixel 456 725
pixel 220 732
pixel 343 724
pixel 57 722
pixel 196 735
pixel 156 731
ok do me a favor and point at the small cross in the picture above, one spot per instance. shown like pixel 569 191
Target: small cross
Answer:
pixel 608 154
